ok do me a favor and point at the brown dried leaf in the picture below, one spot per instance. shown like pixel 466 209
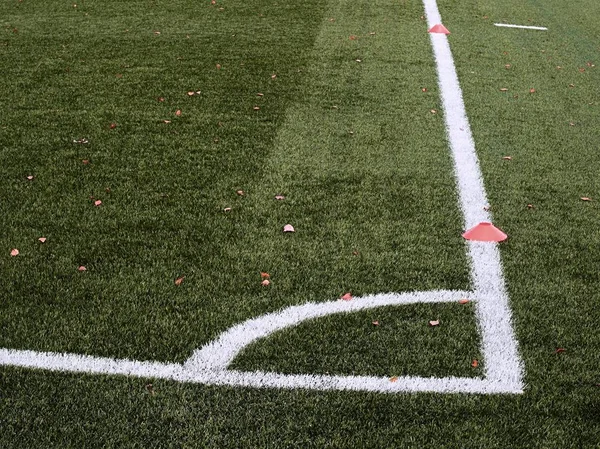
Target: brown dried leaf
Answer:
pixel 179 280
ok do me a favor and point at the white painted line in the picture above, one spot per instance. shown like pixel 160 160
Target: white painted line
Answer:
pixel 524 27
pixel 209 364
pixel 499 345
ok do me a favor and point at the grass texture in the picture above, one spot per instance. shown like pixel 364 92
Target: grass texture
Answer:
pixel 348 127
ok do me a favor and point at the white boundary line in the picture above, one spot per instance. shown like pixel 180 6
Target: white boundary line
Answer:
pixel 208 365
pixel 524 27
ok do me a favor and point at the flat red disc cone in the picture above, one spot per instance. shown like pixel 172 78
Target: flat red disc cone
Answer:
pixel 485 232
pixel 439 28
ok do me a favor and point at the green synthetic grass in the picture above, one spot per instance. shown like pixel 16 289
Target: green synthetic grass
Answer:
pixel 367 176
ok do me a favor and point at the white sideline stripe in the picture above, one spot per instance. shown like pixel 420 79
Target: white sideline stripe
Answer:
pixel 525 27
pixel 208 365
pixel 499 344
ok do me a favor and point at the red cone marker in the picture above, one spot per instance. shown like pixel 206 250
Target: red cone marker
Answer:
pixel 485 232
pixel 439 28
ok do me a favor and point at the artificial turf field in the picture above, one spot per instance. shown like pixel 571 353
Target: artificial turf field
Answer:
pixel 346 133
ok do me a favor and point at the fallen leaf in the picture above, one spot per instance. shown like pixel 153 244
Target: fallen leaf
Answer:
pixel 150 389
pixel 346 296
pixel 264 275
pixel 433 111
pixel 372 33
pixel 14 252
pixel 355 253
pixel 394 379
pixel 30 177
pixel 260 95
pixel 589 64
pixel 503 89
pixel 279 197
pixel 288 228
pixel 507 158
pixel 375 323
pixel 585 198
pixel 85 161
pixel 507 66
pixel 423 89
pixel 240 192
pixel 256 108
pixel 81 268
pixel 475 363
pixel 358 60
pixel 530 206
pixel 191 93
pixel 581 69
pixel 559 67
pixel 42 239
pixel 119 75
pixel 464 301
pixel 97 203
pixel 166 121
pixel 571 85
pixel 571 124
pixel 157 33
pixel 198 92
pixel 353 37
pixel 218 66
pixel 434 323
pixel 487 208
pixel 227 209
pixel 560 350
pixel 266 283
pixel 178 112
pixel 179 280
pixel 161 99
pixel 273 76
pixel 531 91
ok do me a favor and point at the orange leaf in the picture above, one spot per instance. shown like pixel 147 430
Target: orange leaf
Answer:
pixel 179 280
pixel 394 379
pixel 113 126
pixel 14 252
pixel 475 363
pixel 434 323
pixel 264 275
pixel 346 296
